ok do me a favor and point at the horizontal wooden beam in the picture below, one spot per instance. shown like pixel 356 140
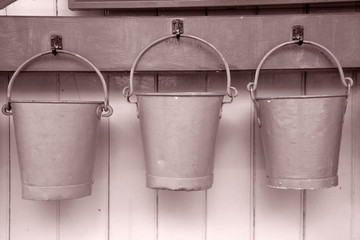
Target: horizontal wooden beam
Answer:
pixel 123 4
pixel 112 43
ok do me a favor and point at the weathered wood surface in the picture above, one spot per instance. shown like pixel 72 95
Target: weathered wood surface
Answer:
pixel 113 43
pixel 100 4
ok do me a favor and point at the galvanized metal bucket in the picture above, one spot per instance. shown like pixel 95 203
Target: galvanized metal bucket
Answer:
pixel 301 134
pixel 179 132
pixel 56 141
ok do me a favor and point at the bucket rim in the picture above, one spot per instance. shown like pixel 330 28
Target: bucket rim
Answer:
pixel 58 102
pixel 301 97
pixel 184 94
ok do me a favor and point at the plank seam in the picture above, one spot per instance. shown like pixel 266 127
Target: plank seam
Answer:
pixel 156 214
pixel 9 173
pixel 353 164
pixel 252 170
pixel 58 219
pixel 156 192
pixel 302 230
pixel 205 197
pixel 108 165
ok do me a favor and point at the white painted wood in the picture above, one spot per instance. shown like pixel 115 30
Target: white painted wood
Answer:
pixel 328 211
pixel 132 206
pixel 4 164
pixel 277 211
pixel 87 218
pixel 32 8
pixel 228 201
pixel 30 219
pixel 181 215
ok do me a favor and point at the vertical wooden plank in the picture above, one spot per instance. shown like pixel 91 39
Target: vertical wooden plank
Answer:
pixel 4 164
pixel 277 211
pixel 30 219
pixel 328 212
pixel 87 218
pixel 182 82
pixel 181 212
pixel 63 10
pixel 132 205
pixel 228 201
pixel 32 8
pixel 356 156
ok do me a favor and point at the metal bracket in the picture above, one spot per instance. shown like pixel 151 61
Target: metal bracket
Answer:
pixel 56 43
pixel 298 33
pixel 177 27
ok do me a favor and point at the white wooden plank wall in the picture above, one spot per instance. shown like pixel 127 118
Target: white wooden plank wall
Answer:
pixel 238 206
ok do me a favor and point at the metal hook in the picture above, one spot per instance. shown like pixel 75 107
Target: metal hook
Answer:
pixel 177 27
pixel 56 43
pixel 298 34
pixel 178 34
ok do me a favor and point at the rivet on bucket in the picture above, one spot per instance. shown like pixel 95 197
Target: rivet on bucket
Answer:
pixel 179 132
pixel 56 142
pixel 301 135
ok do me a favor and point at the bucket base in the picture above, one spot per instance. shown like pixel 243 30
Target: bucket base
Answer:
pixel 56 192
pixel 179 184
pixel 302 184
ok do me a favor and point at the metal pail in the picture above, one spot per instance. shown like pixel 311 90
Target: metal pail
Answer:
pixel 301 140
pixel 56 142
pixel 301 135
pixel 179 133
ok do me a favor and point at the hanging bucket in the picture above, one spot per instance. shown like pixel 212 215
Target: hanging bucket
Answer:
pixel 301 134
pixel 56 141
pixel 179 132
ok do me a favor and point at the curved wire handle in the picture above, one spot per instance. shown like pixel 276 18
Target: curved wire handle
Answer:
pixel 346 81
pixel 129 90
pixel 106 108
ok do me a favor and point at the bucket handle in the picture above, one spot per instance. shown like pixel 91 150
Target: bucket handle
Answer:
pixel 105 108
pixel 346 81
pixel 230 91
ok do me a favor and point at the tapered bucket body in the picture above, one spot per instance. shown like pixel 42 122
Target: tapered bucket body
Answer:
pixel 301 140
pixel 178 133
pixel 56 147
